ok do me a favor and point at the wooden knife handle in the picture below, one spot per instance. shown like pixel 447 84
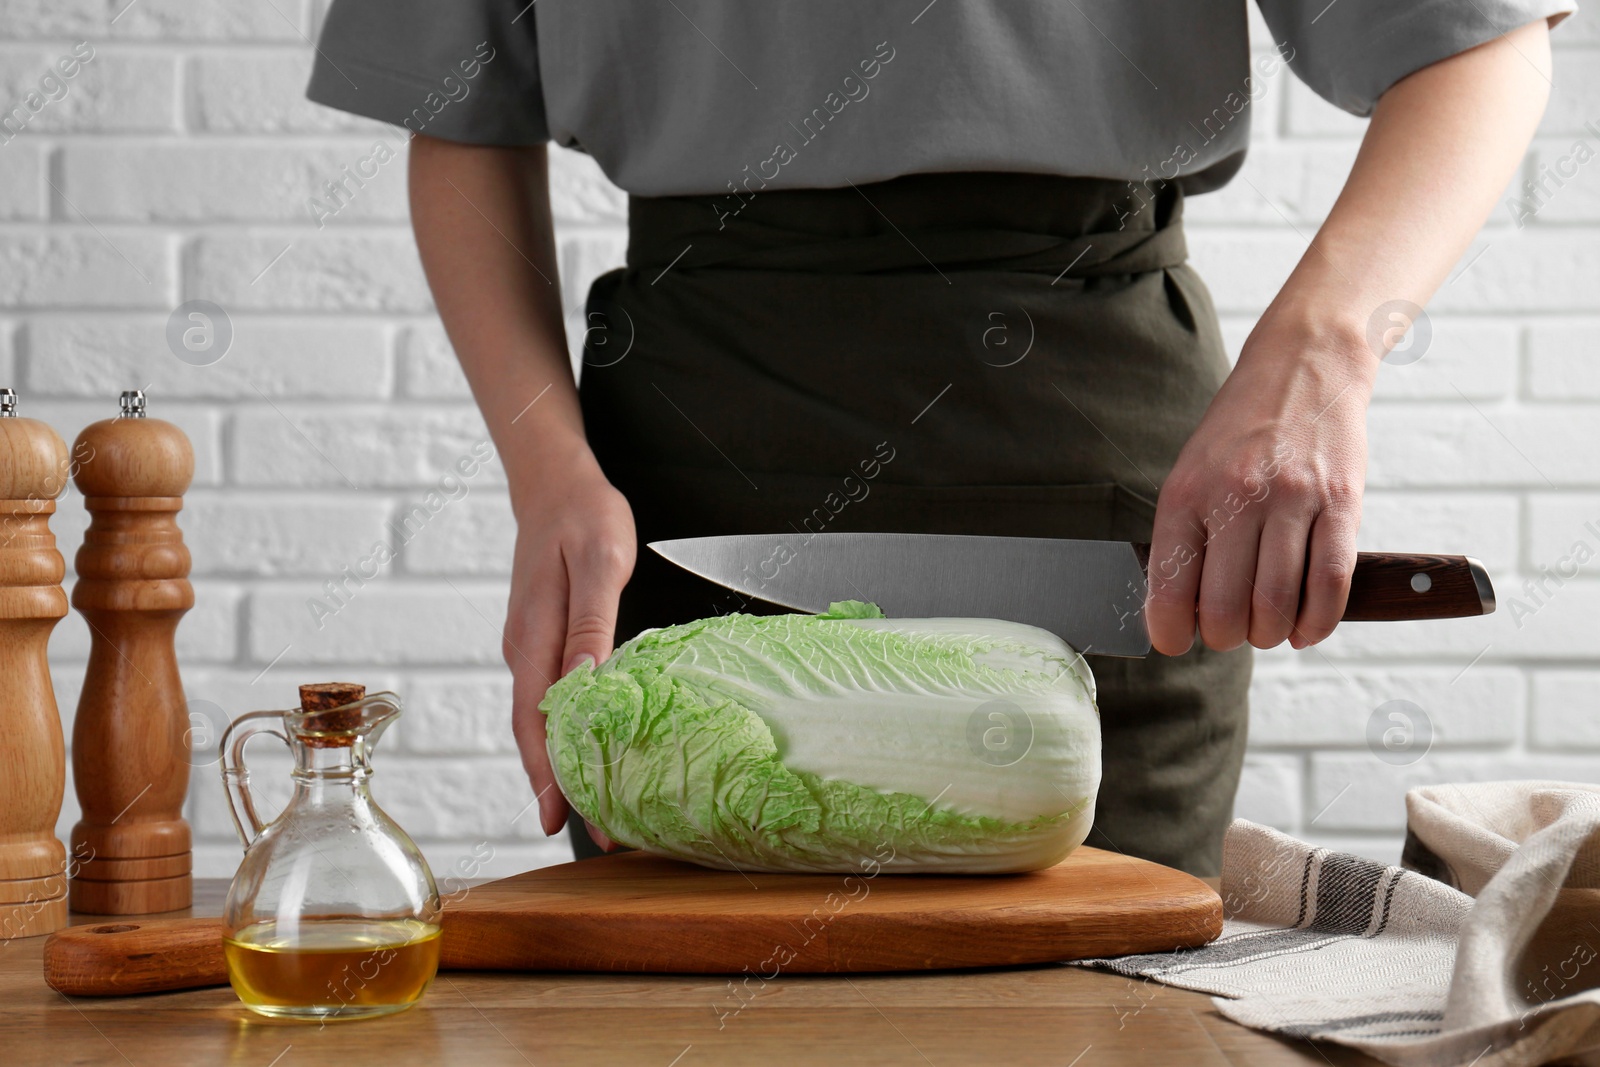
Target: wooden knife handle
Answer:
pixel 1405 586
pixel 117 958
pixel 1388 586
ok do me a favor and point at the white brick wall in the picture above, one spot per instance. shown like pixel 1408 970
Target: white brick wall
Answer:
pixel 177 167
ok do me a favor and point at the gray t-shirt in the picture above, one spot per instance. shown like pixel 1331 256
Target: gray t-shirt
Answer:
pixel 676 97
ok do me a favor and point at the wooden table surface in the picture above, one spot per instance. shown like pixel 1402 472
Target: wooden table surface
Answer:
pixel 1040 1015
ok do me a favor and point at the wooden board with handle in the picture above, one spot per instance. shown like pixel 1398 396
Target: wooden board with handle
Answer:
pixel 641 913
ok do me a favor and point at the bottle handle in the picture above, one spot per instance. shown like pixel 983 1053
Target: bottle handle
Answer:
pixel 236 776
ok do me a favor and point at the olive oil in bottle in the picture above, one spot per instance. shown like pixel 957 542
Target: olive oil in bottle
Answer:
pixel 333 968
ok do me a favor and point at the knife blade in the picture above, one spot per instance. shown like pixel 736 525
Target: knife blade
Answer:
pixel 1089 593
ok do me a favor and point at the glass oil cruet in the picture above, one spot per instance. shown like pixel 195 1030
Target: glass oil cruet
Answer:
pixel 333 913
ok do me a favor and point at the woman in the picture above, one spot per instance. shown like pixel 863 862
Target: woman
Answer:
pixel 921 268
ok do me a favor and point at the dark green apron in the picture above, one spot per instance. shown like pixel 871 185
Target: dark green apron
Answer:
pixel 950 353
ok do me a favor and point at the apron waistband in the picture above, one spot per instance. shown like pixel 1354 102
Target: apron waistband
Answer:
pixel 1070 227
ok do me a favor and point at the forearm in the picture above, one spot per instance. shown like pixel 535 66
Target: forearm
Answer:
pixel 482 222
pixel 1440 149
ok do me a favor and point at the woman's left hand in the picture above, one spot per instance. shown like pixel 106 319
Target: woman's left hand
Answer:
pixel 1255 529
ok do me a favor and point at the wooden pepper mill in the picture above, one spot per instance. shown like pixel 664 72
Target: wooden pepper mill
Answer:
pixel 130 743
pixel 33 879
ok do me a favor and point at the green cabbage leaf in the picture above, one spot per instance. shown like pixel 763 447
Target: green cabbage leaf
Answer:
pixel 827 742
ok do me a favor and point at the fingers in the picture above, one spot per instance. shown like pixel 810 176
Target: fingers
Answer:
pixel 535 633
pixel 598 836
pixel 1230 564
pixel 566 581
pixel 528 726
pixel 1177 553
pixel 597 572
pixel 575 620
pixel 1330 561
pixel 1280 566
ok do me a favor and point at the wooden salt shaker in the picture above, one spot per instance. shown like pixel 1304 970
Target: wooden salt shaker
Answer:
pixel 33 881
pixel 130 743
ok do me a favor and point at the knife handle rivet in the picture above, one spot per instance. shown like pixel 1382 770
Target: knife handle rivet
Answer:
pixel 1421 583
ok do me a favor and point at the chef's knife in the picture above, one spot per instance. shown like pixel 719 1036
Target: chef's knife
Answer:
pixel 1089 593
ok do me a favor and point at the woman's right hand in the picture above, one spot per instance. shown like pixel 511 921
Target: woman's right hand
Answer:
pixel 575 551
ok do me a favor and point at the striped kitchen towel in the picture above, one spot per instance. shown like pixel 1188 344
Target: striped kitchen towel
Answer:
pixel 1484 949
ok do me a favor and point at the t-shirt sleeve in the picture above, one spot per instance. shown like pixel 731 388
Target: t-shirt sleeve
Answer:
pixel 1351 51
pixel 462 70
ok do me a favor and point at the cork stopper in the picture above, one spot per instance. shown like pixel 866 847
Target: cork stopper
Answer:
pixel 328 711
